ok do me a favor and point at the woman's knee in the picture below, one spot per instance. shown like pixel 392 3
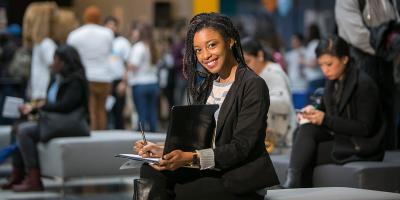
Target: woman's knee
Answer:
pixel 309 130
pixel 25 130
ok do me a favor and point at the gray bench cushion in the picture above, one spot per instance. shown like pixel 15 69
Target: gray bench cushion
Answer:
pixel 369 175
pixel 384 176
pixel 281 163
pixel 89 156
pixel 330 193
pixel 4 136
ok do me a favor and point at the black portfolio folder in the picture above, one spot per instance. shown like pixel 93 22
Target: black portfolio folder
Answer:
pixel 191 127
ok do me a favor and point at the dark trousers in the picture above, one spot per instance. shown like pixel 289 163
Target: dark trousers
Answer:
pixel 116 115
pixel 304 156
pixel 190 184
pixel 27 137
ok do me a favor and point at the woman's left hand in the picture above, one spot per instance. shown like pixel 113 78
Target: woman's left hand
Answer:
pixel 314 116
pixel 174 160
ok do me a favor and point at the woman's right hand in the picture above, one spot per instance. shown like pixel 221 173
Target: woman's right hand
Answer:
pixel 301 116
pixel 148 150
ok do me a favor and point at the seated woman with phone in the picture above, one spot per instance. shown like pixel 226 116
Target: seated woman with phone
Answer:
pixel 237 165
pixel 348 123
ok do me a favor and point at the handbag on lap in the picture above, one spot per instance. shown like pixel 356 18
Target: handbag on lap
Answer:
pixel 56 124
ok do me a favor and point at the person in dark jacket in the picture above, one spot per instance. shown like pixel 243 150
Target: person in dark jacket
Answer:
pixel 68 91
pixel 348 126
pixel 237 165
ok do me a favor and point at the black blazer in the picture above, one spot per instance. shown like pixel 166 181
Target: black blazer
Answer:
pixel 357 124
pixel 240 150
pixel 73 93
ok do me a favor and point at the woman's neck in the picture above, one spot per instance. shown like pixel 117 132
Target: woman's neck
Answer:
pixel 228 75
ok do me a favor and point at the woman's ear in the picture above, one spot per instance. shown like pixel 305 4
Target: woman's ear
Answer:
pixel 345 59
pixel 260 56
pixel 231 42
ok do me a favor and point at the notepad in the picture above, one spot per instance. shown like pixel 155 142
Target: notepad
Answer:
pixel 11 107
pixel 139 158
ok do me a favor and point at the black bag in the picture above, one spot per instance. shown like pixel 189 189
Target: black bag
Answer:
pixel 20 66
pixel 385 47
pixel 55 124
pixel 142 188
pixel 191 127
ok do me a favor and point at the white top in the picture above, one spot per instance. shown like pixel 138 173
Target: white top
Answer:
pixel 94 44
pixel 279 89
pixel 120 54
pixel 217 96
pixel 281 113
pixel 42 58
pixel 312 73
pixel 146 72
pixel 298 81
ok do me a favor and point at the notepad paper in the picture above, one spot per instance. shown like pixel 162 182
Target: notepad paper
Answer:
pixel 11 107
pixel 139 158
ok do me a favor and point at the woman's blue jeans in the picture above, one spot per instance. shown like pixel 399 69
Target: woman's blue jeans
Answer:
pixel 145 98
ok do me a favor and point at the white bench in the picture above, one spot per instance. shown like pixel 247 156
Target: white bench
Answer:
pixel 80 157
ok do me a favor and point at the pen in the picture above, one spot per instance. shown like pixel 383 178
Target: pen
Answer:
pixel 142 132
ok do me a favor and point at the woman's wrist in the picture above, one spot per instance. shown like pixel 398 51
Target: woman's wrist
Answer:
pixel 188 157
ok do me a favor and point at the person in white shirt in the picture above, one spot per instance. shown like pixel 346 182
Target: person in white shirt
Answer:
pixel 314 76
pixel 39 34
pixel 94 44
pixel 118 60
pixel 42 58
pixel 142 76
pixel 281 115
pixel 294 67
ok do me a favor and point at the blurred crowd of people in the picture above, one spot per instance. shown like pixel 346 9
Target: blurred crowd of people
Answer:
pixel 143 71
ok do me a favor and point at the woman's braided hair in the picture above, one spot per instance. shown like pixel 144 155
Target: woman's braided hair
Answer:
pixel 198 90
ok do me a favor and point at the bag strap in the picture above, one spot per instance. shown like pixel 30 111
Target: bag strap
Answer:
pixel 362 3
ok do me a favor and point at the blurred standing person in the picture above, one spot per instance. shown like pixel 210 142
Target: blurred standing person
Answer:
pixel 358 23
pixel 314 76
pixel 281 115
pixel 9 84
pixel 142 75
pixel 178 50
pixel 295 68
pixel 118 60
pixel 94 44
pixel 166 71
pixel 37 30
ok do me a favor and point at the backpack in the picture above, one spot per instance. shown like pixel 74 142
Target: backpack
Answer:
pixel 20 65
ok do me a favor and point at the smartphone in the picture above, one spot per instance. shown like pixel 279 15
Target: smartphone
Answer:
pixel 300 111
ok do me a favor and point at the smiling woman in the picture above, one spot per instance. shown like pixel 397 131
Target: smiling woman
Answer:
pixel 238 140
pixel 212 52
